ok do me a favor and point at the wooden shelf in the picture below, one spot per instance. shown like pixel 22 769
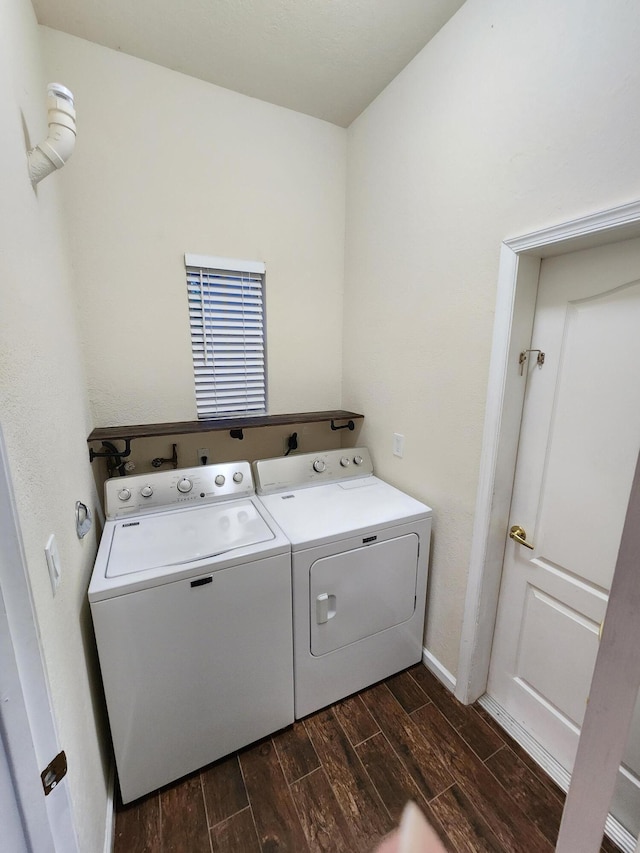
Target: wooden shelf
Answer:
pixel 122 433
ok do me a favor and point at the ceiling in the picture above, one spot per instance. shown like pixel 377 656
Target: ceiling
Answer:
pixel 326 58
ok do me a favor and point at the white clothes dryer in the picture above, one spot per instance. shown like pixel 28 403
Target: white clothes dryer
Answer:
pixel 359 551
pixel 191 604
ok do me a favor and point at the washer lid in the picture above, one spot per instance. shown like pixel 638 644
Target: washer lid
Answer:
pixel 172 539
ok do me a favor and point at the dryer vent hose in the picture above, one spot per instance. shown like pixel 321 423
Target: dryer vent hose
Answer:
pixel 54 152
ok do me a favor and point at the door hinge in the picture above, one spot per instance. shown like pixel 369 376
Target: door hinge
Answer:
pixel 54 772
pixel 523 358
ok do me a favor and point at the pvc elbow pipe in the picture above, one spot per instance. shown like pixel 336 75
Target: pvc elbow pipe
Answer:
pixel 54 152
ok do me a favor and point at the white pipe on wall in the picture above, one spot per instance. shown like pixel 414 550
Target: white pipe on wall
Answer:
pixel 54 152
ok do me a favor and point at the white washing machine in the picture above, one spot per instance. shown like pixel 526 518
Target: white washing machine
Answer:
pixel 191 603
pixel 359 551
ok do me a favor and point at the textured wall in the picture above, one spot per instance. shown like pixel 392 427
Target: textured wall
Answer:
pixel 516 116
pixel 44 412
pixel 298 55
pixel 166 164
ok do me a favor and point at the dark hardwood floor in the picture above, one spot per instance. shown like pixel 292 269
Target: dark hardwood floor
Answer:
pixel 338 781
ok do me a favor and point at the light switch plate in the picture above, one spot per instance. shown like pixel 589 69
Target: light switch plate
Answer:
pixel 398 444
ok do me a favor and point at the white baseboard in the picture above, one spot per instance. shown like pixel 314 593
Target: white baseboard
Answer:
pixel 110 820
pixel 614 830
pixel 441 672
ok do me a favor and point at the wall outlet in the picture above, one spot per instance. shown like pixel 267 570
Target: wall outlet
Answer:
pixel 202 453
pixel 53 562
pixel 398 444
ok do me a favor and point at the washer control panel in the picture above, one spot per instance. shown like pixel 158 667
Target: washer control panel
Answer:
pixel 171 489
pixel 311 469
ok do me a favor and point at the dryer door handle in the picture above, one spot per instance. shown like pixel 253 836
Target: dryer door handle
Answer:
pixel 325 607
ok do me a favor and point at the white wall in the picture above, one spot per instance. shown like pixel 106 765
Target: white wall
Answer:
pixel 164 164
pixel 44 412
pixel 516 116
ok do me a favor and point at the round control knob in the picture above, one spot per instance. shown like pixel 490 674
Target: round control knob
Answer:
pixel 146 491
pixel 238 477
pixel 344 462
pixel 357 460
pixel 185 485
pixel 319 466
pixel 124 494
pixel 220 480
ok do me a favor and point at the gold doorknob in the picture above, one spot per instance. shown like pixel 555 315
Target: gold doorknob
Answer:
pixel 519 535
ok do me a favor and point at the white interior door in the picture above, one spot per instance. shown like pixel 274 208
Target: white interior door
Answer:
pixel 579 442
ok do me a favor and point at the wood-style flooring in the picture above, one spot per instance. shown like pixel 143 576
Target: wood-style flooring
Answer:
pixel 338 781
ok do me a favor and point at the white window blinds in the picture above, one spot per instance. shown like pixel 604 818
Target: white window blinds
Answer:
pixel 226 313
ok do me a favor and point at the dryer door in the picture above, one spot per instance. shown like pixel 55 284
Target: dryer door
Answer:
pixel 361 592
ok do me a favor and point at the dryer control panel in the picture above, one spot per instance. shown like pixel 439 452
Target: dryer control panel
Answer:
pixel 159 490
pixel 311 469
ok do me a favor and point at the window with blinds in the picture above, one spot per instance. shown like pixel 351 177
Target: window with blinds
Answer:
pixel 226 313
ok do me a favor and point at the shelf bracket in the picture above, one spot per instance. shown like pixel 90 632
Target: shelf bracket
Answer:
pixel 122 454
pixel 158 461
pixel 349 425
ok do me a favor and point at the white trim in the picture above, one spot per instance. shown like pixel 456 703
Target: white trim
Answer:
pixel 614 829
pixel 441 672
pixel 213 263
pixel 505 397
pixel 597 229
pixel 517 286
pixel 110 820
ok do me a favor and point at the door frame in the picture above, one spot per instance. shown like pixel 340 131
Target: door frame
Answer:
pixel 27 723
pixel 519 268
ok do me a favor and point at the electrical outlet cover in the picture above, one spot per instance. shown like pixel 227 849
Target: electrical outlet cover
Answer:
pixel 398 444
